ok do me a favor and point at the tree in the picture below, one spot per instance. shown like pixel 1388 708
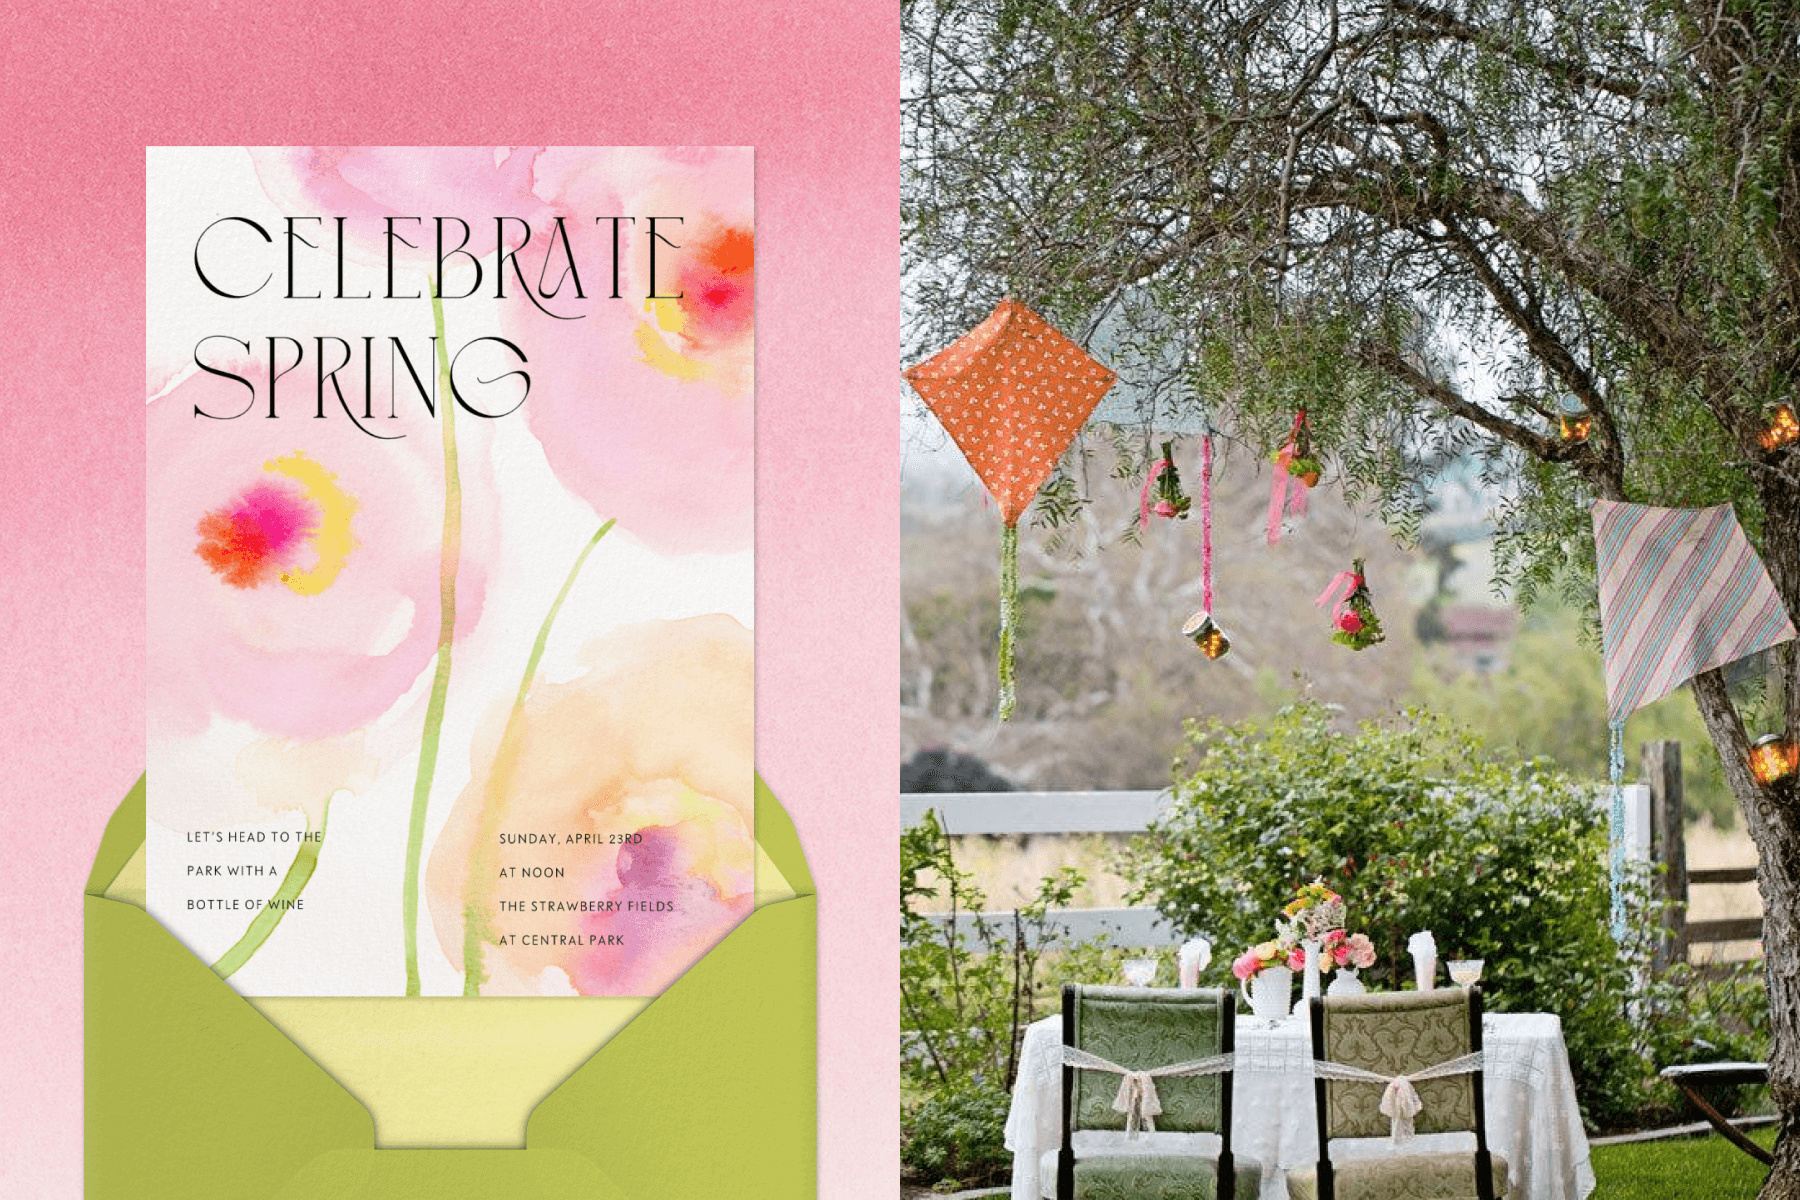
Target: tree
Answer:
pixel 1434 226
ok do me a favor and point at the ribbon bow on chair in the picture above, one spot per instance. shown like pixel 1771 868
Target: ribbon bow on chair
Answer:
pixel 1400 1101
pixel 1138 1100
pixel 1137 1097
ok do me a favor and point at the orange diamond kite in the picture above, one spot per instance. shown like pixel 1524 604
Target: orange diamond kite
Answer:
pixel 1012 392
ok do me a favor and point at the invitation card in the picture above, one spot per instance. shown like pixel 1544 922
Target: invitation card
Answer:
pixel 450 458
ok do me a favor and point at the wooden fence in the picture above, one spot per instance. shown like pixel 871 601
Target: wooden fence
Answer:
pixel 1653 830
pixel 1661 771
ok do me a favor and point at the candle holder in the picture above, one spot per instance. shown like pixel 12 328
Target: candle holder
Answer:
pixel 1207 635
pixel 1773 758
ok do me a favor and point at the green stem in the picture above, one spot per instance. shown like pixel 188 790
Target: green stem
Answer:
pixel 306 859
pixel 440 683
pixel 477 908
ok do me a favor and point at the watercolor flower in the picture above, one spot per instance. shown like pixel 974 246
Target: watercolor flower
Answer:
pixel 644 405
pixel 641 388
pixel 292 564
pixel 640 772
pixel 367 184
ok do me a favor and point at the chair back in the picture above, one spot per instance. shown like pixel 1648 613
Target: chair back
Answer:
pixel 1142 1029
pixel 1399 1033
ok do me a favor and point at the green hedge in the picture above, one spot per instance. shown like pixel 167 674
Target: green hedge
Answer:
pixel 1419 828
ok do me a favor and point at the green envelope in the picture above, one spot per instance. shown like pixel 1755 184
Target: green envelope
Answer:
pixel 192 1093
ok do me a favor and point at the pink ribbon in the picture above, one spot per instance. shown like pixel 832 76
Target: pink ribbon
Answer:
pixel 1288 494
pixel 1339 590
pixel 1156 469
pixel 1206 595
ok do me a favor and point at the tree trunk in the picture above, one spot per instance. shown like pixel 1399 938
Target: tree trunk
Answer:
pixel 1772 817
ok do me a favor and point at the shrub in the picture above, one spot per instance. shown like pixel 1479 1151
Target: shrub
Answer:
pixel 967 990
pixel 1419 828
pixel 1706 1014
pixel 959 1135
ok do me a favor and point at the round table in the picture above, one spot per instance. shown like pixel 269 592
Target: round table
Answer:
pixel 1533 1120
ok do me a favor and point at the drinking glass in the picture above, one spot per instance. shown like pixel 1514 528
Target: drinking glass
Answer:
pixel 1465 971
pixel 1139 971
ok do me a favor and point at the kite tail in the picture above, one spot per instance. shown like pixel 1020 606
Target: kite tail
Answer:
pixel 1009 615
pixel 1615 759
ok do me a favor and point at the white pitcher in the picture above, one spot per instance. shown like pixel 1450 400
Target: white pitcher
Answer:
pixel 1270 994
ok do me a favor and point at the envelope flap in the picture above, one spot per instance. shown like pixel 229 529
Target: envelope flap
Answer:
pixel 189 1091
pixel 450 1175
pixel 124 834
pixel 775 834
pixel 718 1075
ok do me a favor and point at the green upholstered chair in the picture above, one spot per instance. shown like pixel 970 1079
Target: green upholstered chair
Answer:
pixel 1142 1029
pixel 1391 1034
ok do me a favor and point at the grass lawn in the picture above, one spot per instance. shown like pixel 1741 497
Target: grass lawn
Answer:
pixel 1709 1168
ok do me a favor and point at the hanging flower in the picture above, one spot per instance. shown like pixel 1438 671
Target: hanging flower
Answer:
pixel 1353 618
pixel 1296 472
pixel 642 772
pixel 1165 482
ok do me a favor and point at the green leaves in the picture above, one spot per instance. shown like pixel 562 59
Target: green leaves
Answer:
pixel 1418 828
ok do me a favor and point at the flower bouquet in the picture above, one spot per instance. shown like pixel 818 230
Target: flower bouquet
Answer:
pixel 1264 956
pixel 1171 501
pixel 1341 949
pixel 1353 620
pixel 1265 975
pixel 1315 910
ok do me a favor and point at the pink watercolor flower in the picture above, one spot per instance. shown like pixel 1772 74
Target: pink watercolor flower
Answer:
pixel 292 564
pixel 643 402
pixel 643 769
pixel 644 406
pixel 367 184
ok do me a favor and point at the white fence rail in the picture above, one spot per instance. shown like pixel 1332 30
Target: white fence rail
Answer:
pixel 1002 813
pixel 1118 926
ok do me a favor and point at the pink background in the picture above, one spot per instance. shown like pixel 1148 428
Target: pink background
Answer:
pixel 812 86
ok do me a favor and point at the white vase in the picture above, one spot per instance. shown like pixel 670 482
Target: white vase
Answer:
pixel 1271 993
pixel 1309 988
pixel 1346 983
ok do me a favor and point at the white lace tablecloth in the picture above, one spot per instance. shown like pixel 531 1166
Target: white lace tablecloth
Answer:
pixel 1532 1117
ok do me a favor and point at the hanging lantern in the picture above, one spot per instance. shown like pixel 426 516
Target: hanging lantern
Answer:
pixel 1773 758
pixel 1576 427
pixel 1782 427
pixel 1207 635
